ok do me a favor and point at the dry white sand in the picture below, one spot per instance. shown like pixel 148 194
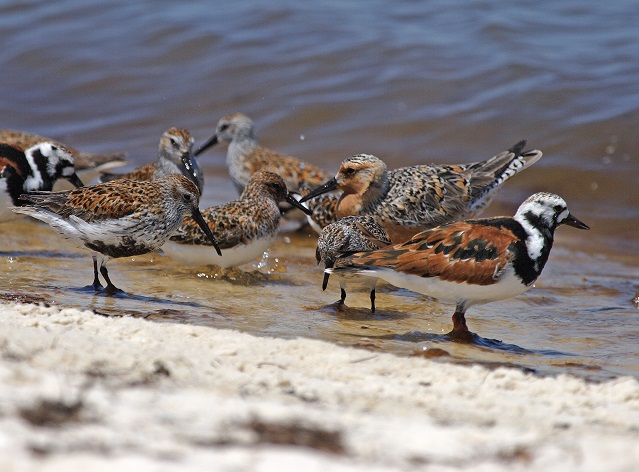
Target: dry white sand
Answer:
pixel 84 392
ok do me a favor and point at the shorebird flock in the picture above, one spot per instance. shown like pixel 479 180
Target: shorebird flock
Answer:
pixel 415 227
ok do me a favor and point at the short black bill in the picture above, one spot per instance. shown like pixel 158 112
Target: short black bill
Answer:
pixel 574 222
pixel 322 189
pixel 75 180
pixel 212 141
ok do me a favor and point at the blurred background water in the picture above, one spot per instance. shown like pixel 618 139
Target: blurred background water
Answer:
pixel 411 82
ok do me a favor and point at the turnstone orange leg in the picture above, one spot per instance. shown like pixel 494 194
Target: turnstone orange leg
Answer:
pixel 469 262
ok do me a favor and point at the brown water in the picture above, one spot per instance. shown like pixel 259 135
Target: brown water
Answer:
pixel 414 82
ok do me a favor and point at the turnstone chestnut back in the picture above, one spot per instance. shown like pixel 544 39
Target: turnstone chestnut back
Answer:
pixel 244 228
pixel 88 165
pixel 345 237
pixel 174 157
pixel 411 199
pixel 471 262
pixel 122 218
pixel 245 156
pixel 37 168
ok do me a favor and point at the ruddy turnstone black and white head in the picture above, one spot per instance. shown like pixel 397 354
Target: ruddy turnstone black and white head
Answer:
pixel 88 165
pixel 474 261
pixel 174 157
pixel 343 238
pixel 244 228
pixel 37 168
pixel 411 199
pixel 121 218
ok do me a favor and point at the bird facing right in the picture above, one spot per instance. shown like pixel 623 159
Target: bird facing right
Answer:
pixel 122 218
pixel 474 261
pixel 174 157
pixel 244 228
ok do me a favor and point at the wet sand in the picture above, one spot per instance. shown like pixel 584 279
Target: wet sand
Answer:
pixel 87 392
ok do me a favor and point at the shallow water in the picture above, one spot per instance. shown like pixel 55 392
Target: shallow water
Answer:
pixel 416 82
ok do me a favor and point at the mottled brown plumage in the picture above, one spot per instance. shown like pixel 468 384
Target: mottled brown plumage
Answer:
pixel 174 157
pixel 470 262
pixel 347 236
pixel 465 251
pixel 245 156
pixel 411 199
pixel 119 219
pixel 244 228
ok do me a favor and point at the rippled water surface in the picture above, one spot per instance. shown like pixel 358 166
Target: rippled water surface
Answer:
pixel 410 82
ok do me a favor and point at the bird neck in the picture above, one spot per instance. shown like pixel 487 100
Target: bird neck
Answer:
pixel 539 239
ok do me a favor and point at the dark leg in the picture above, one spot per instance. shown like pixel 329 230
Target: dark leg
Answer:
pixel 342 296
pixel 373 300
pixel 110 288
pixel 97 286
pixel 460 332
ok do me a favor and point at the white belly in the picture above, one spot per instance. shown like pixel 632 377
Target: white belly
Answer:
pixel 508 286
pixel 198 255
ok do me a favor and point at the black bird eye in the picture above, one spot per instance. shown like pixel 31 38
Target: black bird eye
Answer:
pixel 187 197
pixel 224 127
pixel 349 171
pixel 54 148
pixel 174 143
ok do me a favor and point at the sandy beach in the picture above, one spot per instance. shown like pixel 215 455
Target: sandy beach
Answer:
pixel 87 392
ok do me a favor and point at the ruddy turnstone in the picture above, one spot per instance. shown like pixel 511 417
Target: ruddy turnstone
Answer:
pixel 411 199
pixel 88 165
pixel 244 228
pixel 122 218
pixel 174 157
pixel 37 168
pixel 245 156
pixel 471 262
pixel 345 237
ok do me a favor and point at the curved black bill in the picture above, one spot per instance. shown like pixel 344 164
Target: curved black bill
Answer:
pixel 197 217
pixel 212 141
pixel 291 199
pixel 75 180
pixel 574 222
pixel 327 187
